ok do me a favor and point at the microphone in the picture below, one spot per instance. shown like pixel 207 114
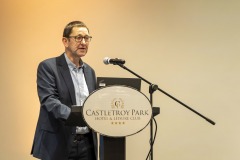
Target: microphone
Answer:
pixel 115 61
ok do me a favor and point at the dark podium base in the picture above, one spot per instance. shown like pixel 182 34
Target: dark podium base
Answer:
pixel 114 148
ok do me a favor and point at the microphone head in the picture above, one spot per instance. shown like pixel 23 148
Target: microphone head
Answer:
pixel 115 61
pixel 106 60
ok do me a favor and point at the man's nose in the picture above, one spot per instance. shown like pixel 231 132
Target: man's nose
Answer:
pixel 83 41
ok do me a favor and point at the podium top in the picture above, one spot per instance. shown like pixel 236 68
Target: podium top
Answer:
pixel 106 81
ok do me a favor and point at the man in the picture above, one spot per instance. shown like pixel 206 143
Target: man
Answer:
pixel 62 82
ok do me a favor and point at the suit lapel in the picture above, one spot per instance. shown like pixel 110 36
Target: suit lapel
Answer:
pixel 64 70
pixel 87 78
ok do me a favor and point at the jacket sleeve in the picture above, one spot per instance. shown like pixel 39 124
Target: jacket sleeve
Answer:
pixel 47 90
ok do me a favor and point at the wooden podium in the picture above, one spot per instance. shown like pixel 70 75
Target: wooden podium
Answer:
pixel 115 148
pixel 116 112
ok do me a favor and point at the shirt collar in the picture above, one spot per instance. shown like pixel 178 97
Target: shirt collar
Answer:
pixel 71 65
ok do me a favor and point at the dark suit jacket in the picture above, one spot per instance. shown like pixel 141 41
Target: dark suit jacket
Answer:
pixel 52 140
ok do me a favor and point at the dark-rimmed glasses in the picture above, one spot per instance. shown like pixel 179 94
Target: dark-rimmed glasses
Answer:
pixel 79 38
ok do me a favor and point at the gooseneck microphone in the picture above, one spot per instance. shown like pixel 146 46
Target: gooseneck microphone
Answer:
pixel 114 61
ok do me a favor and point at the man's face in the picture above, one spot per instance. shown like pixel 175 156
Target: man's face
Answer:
pixel 74 48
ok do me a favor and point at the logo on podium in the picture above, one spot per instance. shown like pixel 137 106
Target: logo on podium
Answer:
pixel 117 111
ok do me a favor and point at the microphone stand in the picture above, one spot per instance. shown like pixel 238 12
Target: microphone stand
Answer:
pixel 152 89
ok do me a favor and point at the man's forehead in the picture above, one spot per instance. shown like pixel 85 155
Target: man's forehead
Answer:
pixel 79 30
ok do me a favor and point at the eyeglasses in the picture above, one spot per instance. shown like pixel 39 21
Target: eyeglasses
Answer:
pixel 79 38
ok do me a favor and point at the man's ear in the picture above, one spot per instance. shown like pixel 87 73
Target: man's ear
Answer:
pixel 65 41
